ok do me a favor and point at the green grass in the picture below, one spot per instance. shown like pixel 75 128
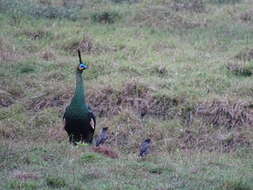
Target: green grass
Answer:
pixel 147 58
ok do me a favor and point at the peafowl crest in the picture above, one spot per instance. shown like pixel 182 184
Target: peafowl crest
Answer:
pixel 80 122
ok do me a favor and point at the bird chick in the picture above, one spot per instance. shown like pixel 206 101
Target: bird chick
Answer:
pixel 145 148
pixel 103 136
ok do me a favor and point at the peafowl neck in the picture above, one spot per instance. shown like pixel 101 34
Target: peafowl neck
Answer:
pixel 78 100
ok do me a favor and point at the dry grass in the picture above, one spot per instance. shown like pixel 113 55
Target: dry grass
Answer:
pixel 6 99
pixel 134 96
pixel 247 16
pixel 6 52
pixel 163 18
pixel 193 5
pixel 241 69
pixel 245 55
pixel 22 175
pixel 87 46
pixel 156 72
pixel 226 113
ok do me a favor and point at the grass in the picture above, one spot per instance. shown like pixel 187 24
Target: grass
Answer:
pixel 177 72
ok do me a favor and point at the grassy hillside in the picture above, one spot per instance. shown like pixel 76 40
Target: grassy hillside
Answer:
pixel 179 72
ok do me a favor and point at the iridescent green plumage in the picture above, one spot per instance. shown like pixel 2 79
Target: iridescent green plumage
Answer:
pixel 79 119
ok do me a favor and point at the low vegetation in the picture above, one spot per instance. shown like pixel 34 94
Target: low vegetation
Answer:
pixel 178 72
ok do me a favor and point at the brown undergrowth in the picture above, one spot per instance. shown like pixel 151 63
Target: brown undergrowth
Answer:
pixel 135 96
pixel 36 35
pixel 6 51
pixel 22 175
pixel 212 126
pixel 46 100
pixel 87 46
pixel 141 100
pixel 197 6
pixel 6 99
pixel 226 113
pixel 245 55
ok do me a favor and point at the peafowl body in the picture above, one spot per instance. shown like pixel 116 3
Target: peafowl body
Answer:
pixel 80 122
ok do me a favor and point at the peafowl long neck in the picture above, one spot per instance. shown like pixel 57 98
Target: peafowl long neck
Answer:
pixel 78 100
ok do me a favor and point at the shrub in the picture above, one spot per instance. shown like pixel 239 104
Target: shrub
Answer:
pixel 55 182
pixel 27 69
pixel 105 17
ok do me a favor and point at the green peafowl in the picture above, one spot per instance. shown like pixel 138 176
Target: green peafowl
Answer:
pixel 80 122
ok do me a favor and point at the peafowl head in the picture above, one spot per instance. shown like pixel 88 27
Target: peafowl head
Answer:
pixel 81 66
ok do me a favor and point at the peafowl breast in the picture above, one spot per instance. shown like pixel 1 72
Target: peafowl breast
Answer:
pixel 80 122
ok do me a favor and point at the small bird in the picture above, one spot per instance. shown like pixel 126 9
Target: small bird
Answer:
pixel 80 122
pixel 145 148
pixel 102 137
